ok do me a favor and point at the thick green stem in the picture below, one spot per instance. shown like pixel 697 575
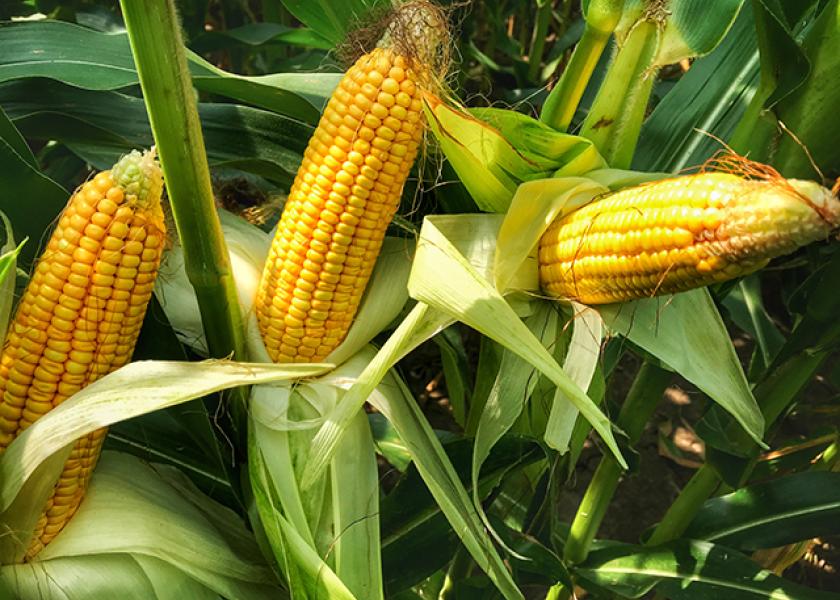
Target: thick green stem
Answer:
pixel 615 119
pixel 640 403
pixel 562 102
pixel 535 53
pixel 155 37
pixel 698 489
pixel 602 17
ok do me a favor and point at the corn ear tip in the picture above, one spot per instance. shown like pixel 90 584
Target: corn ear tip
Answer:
pixel 140 177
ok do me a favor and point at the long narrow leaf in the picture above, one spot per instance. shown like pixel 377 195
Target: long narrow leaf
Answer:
pixel 397 404
pixel 689 570
pixel 133 390
pixel 778 512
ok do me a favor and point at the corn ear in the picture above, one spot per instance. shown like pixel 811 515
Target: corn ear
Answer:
pixel 81 314
pixel 343 198
pixel 680 233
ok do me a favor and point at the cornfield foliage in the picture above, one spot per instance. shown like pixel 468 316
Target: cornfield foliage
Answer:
pixel 584 346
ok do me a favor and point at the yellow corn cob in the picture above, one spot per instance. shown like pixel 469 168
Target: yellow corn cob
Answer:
pixel 680 233
pixel 342 200
pixel 81 313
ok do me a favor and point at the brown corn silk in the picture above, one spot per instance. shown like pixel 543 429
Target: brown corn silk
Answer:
pixel 681 233
pixel 343 198
pixel 80 315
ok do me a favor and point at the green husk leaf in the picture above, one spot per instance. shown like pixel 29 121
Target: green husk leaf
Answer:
pixel 542 148
pixel 488 184
pixel 388 395
pixel 444 279
pixel 582 358
pixel 533 208
pixel 419 325
pixel 197 545
pixel 307 575
pixel 101 577
pixel 248 246
pixel 355 489
pixel 8 271
pixel 283 422
pixel 500 149
pixel 133 390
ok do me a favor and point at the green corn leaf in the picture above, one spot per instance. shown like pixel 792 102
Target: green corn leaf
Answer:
pixel 709 99
pixel 774 513
pixel 332 20
pixel 255 35
pixel 688 570
pixel 19 172
pixel 355 490
pixel 398 405
pixel 513 385
pixel 94 60
pixel 582 357
pixel 413 524
pixel 661 326
pixel 691 29
pixel 100 126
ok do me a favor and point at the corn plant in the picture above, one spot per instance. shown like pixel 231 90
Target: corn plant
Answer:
pixel 552 212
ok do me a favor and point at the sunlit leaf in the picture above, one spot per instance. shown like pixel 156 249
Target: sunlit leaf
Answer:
pixel 661 326
pixel 94 60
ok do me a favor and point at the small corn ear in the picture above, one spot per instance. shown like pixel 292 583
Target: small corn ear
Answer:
pixel 80 315
pixel 680 233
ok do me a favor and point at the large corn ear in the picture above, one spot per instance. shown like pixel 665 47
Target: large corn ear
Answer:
pixel 680 233
pixel 342 200
pixel 80 315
